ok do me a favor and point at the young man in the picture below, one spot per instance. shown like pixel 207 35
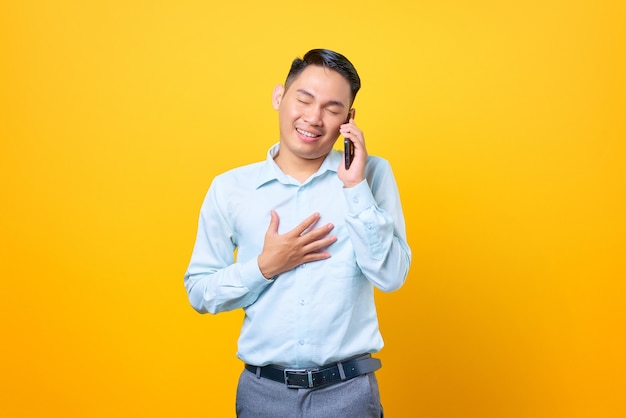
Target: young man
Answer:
pixel 305 282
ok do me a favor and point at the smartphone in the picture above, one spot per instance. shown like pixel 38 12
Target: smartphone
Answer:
pixel 348 152
pixel 348 146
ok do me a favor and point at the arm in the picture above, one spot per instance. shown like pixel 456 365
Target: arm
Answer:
pixel 375 219
pixel 377 229
pixel 214 282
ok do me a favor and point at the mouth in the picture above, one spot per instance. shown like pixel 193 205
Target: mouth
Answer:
pixel 307 136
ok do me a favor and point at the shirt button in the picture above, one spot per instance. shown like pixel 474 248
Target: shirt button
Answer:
pixel 301 302
pixel 355 199
pixel 301 342
pixel 303 265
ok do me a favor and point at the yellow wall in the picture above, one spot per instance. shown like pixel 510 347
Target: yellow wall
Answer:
pixel 503 122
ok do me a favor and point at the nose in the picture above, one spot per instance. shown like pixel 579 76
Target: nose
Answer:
pixel 313 116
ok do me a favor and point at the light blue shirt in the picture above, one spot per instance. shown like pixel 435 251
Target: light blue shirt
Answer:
pixel 319 312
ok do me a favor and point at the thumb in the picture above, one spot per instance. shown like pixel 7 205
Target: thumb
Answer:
pixel 273 227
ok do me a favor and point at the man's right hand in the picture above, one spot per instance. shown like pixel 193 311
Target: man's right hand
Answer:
pixel 300 245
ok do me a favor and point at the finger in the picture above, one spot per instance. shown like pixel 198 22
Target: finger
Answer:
pixel 316 246
pixel 351 132
pixel 306 224
pixel 317 234
pixel 316 256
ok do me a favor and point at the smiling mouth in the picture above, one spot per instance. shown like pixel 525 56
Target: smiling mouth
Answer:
pixel 307 134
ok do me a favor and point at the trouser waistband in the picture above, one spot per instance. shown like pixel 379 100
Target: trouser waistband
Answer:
pixel 318 376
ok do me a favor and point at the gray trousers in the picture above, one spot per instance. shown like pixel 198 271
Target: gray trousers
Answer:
pixel 263 398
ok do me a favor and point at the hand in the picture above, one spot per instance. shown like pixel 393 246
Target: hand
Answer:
pixel 356 173
pixel 300 245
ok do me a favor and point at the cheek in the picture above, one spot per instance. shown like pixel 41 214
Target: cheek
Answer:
pixel 286 116
pixel 291 112
pixel 332 124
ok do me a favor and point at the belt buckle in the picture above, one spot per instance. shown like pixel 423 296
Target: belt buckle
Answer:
pixel 298 372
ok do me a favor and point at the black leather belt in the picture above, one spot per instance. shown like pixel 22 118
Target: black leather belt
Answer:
pixel 320 376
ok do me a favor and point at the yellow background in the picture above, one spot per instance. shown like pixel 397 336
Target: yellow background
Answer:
pixel 503 122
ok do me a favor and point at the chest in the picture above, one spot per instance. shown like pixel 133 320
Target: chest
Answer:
pixel 249 212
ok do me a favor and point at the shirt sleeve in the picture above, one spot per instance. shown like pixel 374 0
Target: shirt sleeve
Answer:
pixel 214 281
pixel 377 229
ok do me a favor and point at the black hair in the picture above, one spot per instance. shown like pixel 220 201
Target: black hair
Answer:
pixel 328 59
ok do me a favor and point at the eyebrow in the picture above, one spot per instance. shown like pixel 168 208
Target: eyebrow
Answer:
pixel 329 103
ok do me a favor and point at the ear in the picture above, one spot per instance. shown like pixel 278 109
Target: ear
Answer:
pixel 352 113
pixel 277 95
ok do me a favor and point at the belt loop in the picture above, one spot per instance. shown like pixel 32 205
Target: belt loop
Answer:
pixel 258 372
pixel 342 374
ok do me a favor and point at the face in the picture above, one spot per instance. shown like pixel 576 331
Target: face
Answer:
pixel 310 113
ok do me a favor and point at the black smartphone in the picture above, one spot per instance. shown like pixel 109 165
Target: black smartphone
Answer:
pixel 348 146
pixel 348 152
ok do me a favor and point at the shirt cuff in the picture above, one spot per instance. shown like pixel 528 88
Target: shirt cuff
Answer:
pixel 359 198
pixel 251 276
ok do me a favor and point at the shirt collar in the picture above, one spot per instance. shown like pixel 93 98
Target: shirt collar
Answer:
pixel 270 170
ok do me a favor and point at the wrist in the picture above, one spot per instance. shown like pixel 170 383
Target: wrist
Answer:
pixel 351 184
pixel 266 272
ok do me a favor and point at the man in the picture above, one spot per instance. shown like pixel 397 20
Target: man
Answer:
pixel 305 282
